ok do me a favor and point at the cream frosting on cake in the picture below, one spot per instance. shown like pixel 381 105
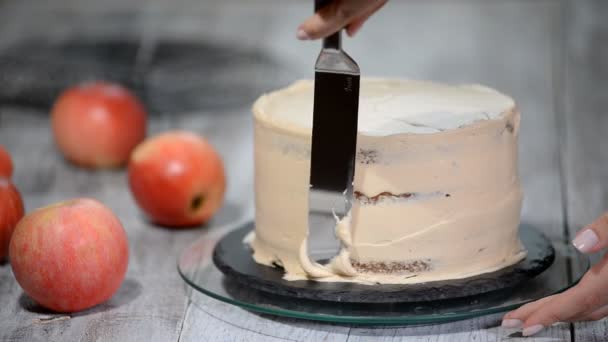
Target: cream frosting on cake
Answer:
pixel 437 191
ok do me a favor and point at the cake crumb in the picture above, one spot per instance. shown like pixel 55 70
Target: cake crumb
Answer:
pixel 364 199
pixel 392 267
pixel 367 156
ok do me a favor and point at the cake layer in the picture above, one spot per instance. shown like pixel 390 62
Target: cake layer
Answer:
pixel 388 107
pixel 437 193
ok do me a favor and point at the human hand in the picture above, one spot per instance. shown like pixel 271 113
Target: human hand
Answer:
pixel 338 14
pixel 587 301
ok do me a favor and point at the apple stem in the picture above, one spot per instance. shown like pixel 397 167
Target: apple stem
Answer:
pixel 197 202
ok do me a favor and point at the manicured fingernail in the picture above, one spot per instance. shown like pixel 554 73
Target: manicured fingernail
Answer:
pixel 533 330
pixel 511 323
pixel 585 241
pixel 302 35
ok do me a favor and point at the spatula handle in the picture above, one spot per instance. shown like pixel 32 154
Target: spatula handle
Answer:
pixel 320 3
pixel 333 41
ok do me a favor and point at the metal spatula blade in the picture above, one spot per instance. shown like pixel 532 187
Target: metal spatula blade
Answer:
pixel 334 142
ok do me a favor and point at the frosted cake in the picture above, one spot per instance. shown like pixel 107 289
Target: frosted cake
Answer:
pixel 437 194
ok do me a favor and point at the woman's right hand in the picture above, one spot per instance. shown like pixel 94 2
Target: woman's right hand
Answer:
pixel 338 14
pixel 587 301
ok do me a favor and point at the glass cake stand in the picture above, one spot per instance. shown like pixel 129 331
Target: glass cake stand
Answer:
pixel 196 267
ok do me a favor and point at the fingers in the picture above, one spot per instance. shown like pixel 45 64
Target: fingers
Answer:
pixel 593 237
pixel 333 17
pixel 356 24
pixel 565 307
pixel 596 315
pixel 587 300
pixel 538 315
pixel 514 319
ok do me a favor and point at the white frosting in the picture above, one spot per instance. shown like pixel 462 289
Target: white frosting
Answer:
pixel 394 107
pixel 462 216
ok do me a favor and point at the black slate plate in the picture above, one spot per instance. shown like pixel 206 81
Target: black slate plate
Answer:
pixel 233 258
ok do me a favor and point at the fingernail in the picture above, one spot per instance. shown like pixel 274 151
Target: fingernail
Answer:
pixel 302 35
pixel 585 241
pixel 533 330
pixel 511 323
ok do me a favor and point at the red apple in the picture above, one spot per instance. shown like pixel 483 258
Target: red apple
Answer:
pixel 70 256
pixel 11 211
pixel 97 125
pixel 6 164
pixel 177 178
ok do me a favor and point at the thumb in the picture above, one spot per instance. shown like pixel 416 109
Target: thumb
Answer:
pixel 593 237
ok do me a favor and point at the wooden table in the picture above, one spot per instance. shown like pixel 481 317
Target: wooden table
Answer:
pixel 198 64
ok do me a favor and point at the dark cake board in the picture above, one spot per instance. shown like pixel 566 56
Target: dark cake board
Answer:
pixel 234 258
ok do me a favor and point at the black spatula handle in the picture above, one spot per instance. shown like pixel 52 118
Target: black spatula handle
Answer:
pixel 320 4
pixel 332 41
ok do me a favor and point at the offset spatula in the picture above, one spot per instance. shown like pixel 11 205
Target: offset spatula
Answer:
pixel 334 142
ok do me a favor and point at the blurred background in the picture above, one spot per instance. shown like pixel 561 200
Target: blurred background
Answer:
pixel 184 55
pixel 199 64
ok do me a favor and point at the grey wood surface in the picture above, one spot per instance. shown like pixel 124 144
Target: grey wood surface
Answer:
pixel 549 55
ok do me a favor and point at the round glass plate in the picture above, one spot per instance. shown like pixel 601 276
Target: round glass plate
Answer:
pixel 236 262
pixel 198 270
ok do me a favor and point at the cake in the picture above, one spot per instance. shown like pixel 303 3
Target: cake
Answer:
pixel 437 194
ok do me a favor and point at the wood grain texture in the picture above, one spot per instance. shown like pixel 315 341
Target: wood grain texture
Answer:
pixel 213 320
pixel 586 123
pixel 510 45
pixel 151 302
